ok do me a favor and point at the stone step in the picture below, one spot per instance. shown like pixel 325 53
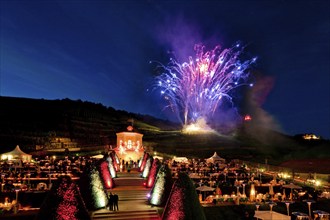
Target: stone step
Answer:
pixel 125 195
pixel 133 201
pixel 131 174
pixel 122 215
pixel 128 181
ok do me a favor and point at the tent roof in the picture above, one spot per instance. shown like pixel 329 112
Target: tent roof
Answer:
pixel 215 155
pixel 98 156
pixel 180 159
pixel 17 151
pixel 214 158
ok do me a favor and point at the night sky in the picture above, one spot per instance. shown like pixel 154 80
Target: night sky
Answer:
pixel 99 51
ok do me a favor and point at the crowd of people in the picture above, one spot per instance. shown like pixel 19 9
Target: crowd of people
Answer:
pixel 30 174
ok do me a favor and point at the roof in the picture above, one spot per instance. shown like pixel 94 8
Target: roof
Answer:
pixel 17 151
pixel 215 155
pixel 214 158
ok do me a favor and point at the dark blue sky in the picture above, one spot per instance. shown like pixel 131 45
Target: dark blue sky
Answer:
pixel 99 51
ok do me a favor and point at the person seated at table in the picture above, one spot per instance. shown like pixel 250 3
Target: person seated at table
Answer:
pixel 24 187
pixel 316 216
pixel 7 201
pixel 9 186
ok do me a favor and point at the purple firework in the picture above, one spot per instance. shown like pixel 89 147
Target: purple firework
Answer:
pixel 194 89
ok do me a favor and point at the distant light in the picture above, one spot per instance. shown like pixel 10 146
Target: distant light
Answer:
pixel 247 118
pixel 251 84
pixel 311 137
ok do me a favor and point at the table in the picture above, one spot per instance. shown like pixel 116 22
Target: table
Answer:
pixel 322 214
pixel 300 216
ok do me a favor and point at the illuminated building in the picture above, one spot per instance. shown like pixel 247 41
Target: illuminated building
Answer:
pixel 129 145
pixel 59 144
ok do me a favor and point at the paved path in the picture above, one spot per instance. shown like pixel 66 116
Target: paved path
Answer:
pixel 132 203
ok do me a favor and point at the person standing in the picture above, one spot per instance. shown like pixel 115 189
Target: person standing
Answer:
pixel 115 202
pixel 111 201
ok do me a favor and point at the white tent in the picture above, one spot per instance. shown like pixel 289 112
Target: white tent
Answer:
pixel 17 153
pixel 215 159
pixel 181 159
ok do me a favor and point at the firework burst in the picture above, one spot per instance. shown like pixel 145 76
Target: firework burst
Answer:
pixel 194 89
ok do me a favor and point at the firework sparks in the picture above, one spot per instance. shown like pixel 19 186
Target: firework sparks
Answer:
pixel 195 88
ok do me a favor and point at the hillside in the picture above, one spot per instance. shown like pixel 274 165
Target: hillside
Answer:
pixel 31 122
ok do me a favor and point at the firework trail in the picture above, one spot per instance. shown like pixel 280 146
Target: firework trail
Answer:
pixel 195 88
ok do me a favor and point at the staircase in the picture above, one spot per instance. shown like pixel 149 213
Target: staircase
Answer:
pixel 126 215
pixel 133 204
